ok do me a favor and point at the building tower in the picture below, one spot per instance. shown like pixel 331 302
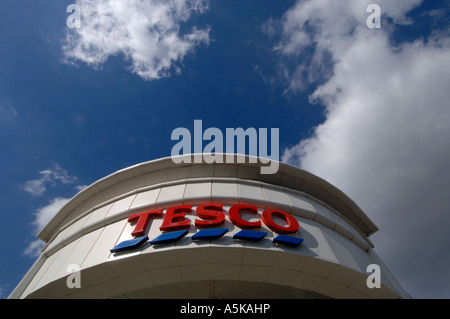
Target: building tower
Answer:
pixel 165 230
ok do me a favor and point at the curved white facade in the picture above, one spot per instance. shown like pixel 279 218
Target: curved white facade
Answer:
pixel 331 262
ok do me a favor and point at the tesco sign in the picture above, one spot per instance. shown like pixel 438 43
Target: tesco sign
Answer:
pixel 209 218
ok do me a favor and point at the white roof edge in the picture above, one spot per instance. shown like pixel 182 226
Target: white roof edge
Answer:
pixel 287 176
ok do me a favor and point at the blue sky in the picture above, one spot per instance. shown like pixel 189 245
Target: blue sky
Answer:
pixel 366 109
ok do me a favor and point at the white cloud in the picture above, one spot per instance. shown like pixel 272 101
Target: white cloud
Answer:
pixel 44 214
pixel 385 138
pixel 41 218
pixel 51 176
pixel 329 27
pixel 79 188
pixel 35 187
pixel 2 292
pixel 146 32
pixel 7 112
pixel 34 248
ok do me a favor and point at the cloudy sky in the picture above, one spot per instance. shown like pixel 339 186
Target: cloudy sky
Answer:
pixel 365 108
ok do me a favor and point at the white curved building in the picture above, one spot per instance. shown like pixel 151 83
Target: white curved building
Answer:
pixel 166 230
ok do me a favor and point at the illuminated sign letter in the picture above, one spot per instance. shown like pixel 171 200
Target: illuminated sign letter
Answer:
pixel 212 212
pixel 236 219
pixel 292 226
pixel 175 218
pixel 142 221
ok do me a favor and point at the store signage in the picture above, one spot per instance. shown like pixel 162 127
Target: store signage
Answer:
pixel 209 219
